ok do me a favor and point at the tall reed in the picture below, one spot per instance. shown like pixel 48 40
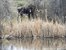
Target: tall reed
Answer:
pixel 34 27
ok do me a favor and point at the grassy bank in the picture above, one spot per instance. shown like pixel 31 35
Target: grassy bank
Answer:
pixel 34 27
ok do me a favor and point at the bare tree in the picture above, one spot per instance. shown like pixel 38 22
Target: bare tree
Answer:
pixel 6 9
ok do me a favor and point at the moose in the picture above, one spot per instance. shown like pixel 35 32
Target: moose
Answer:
pixel 30 11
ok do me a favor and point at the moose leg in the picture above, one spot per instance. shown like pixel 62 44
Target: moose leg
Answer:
pixel 18 17
pixel 32 15
pixel 29 15
pixel 21 16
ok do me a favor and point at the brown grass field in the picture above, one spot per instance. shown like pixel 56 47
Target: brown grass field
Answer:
pixel 34 27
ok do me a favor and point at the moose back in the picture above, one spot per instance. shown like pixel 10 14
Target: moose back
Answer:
pixel 30 10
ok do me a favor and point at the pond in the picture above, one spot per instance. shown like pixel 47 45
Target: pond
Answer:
pixel 33 44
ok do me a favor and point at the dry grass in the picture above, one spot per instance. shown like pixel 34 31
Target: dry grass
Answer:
pixel 34 27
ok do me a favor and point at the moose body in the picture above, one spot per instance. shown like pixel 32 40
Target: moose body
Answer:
pixel 30 10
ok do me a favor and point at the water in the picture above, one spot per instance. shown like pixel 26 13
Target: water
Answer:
pixel 33 44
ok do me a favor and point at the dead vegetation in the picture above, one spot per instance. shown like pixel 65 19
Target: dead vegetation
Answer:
pixel 32 28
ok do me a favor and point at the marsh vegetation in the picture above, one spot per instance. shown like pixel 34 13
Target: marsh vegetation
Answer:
pixel 32 28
